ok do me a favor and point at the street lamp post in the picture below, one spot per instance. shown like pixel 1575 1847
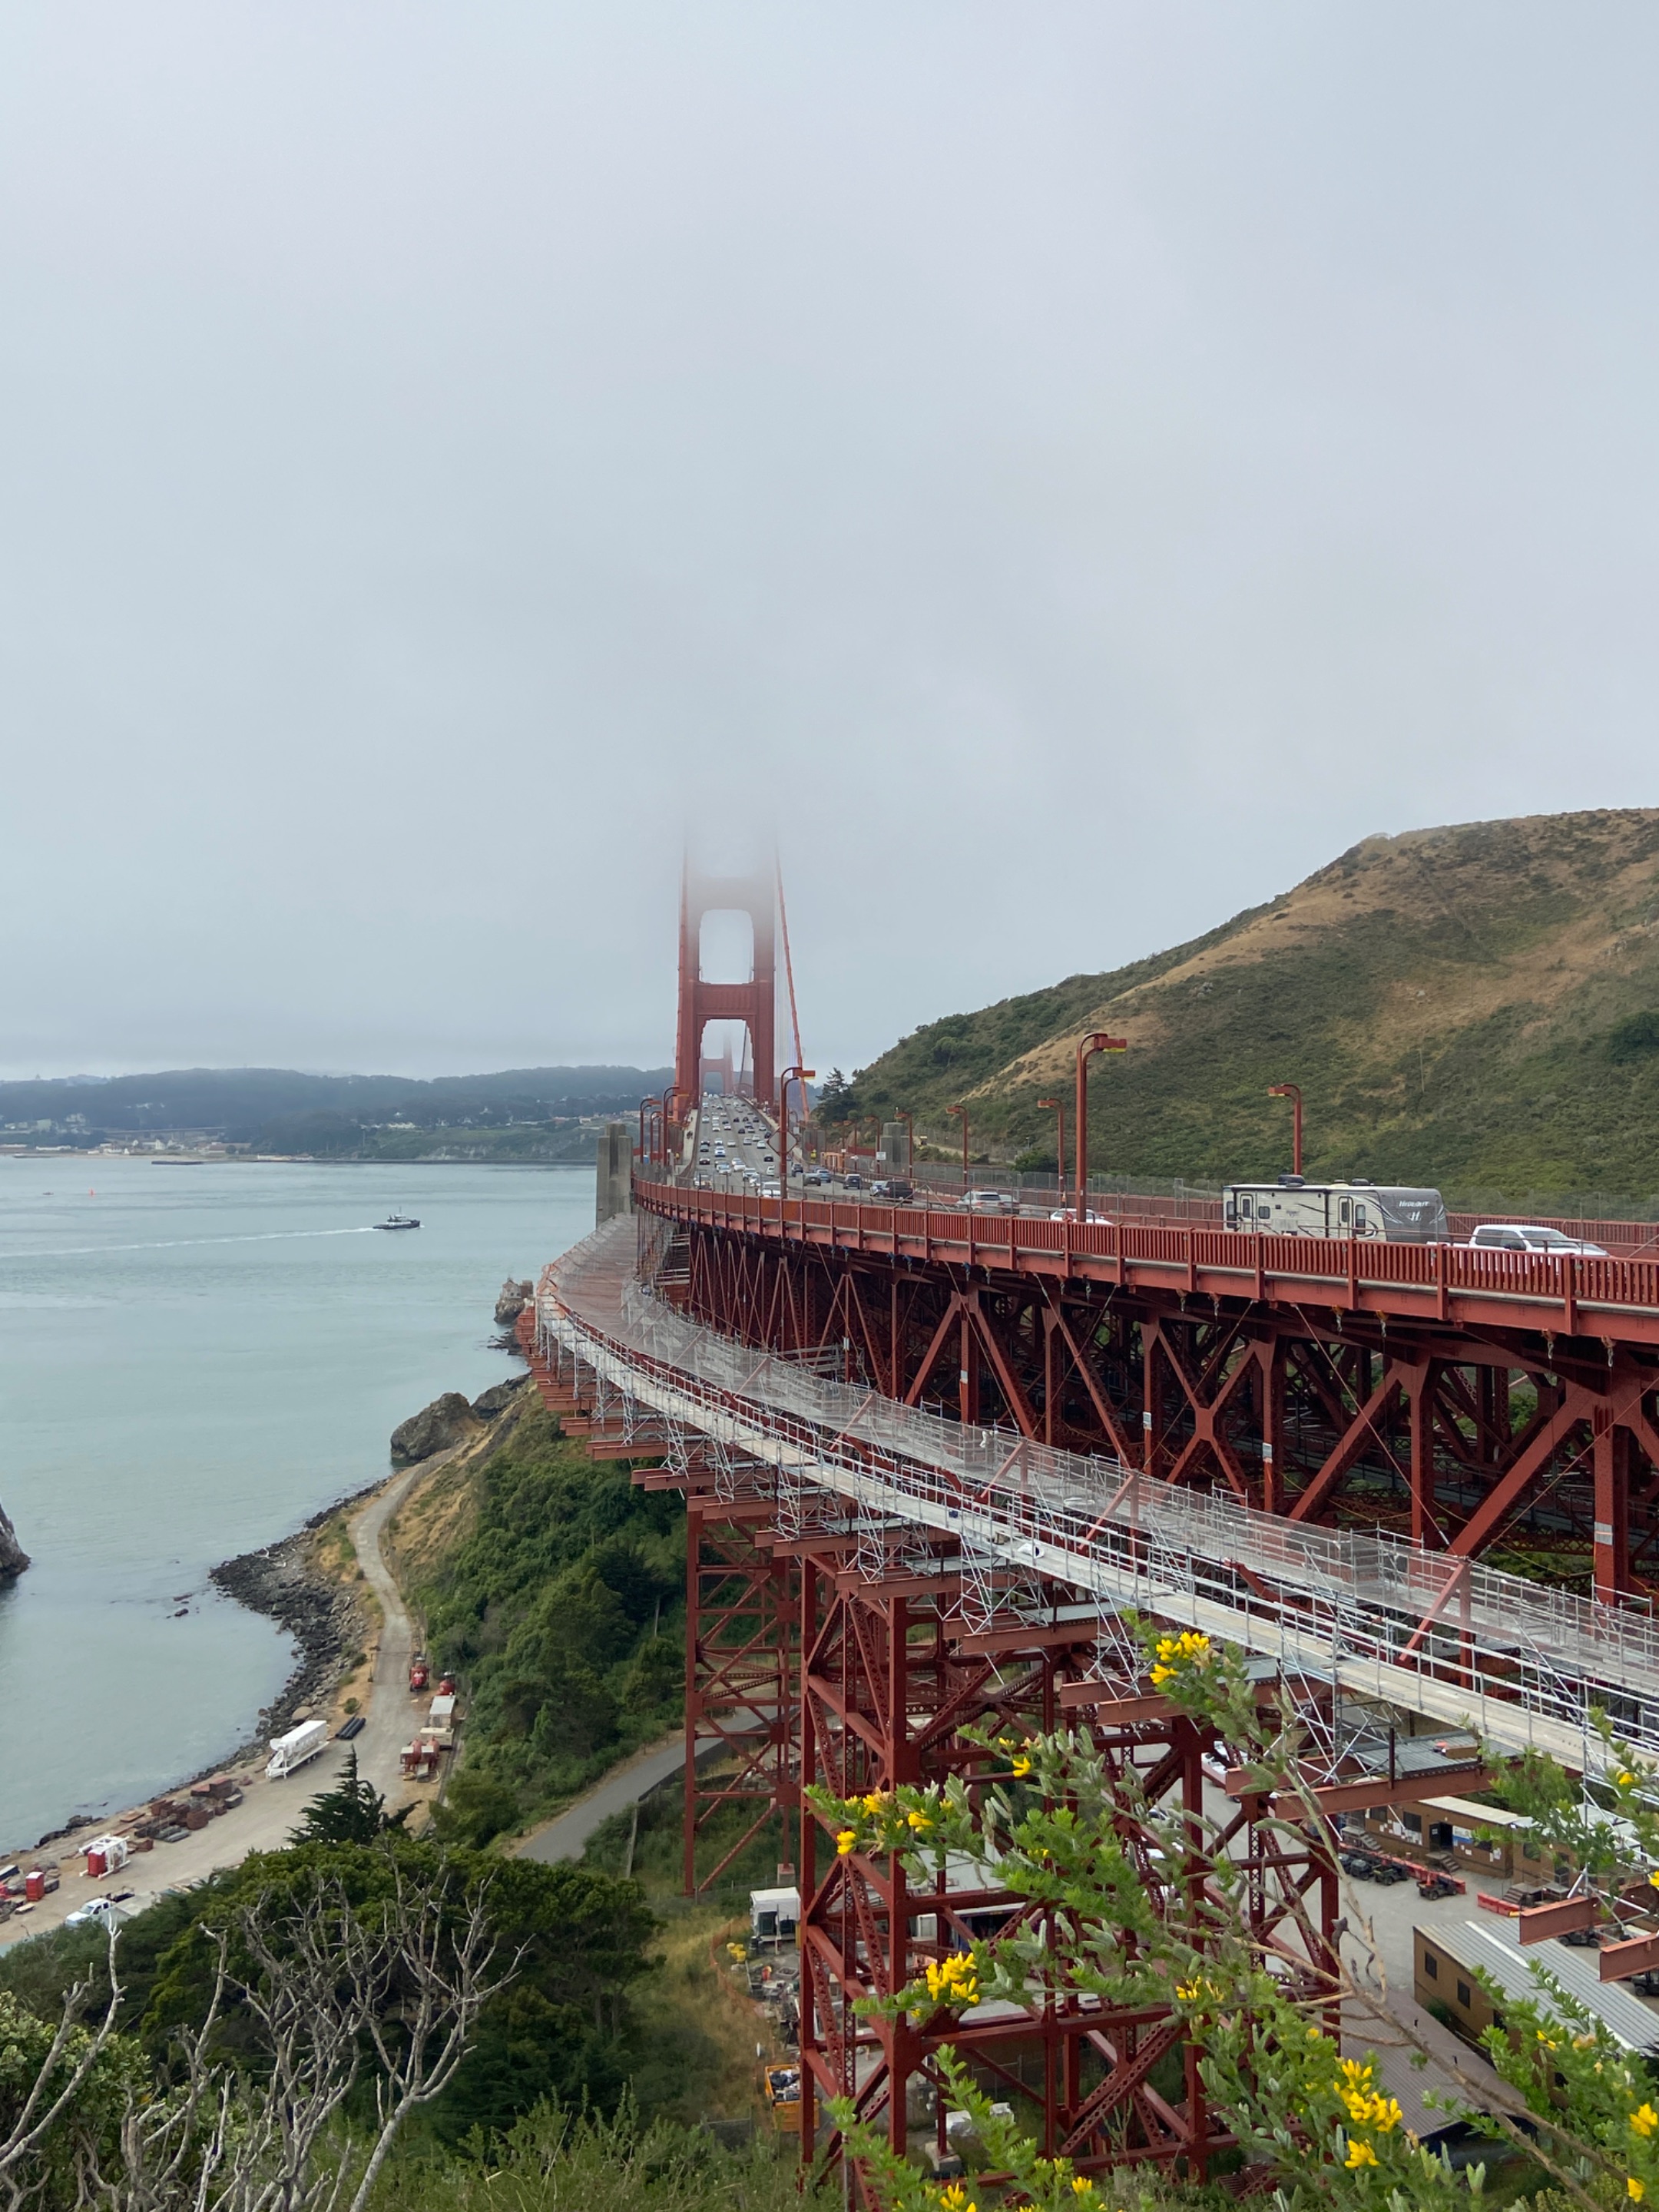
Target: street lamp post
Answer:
pixel 1097 1041
pixel 963 1111
pixel 1293 1092
pixel 874 1120
pixel 1058 1106
pixel 789 1075
pixel 673 1091
pixel 910 1142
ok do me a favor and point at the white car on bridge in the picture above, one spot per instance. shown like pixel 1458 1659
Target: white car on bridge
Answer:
pixel 1530 1236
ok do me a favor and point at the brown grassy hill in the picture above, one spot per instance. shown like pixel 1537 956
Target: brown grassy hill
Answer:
pixel 1476 1006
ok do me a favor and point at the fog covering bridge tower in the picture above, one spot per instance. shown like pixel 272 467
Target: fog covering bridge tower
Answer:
pixel 754 1003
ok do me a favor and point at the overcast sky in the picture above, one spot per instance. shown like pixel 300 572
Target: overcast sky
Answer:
pixel 1067 471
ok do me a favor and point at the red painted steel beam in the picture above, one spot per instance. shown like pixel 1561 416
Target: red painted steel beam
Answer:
pixel 1535 1924
pixel 1616 1962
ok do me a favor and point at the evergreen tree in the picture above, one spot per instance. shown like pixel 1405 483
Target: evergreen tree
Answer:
pixel 352 1811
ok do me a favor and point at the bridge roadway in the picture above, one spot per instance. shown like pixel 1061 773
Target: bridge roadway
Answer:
pixel 1425 1633
pixel 1573 1295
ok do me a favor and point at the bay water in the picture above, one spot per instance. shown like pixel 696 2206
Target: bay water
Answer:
pixel 193 1360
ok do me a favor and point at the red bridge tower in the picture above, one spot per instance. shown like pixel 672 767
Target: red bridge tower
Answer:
pixel 753 1003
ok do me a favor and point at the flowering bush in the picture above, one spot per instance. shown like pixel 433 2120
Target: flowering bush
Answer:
pixel 1143 1906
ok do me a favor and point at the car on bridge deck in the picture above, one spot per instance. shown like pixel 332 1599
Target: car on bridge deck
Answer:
pixel 991 1201
pixel 1530 1236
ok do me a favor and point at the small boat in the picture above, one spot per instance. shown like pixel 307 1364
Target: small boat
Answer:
pixel 399 1221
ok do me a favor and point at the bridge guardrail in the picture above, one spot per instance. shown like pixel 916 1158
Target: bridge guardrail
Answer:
pixel 1343 1272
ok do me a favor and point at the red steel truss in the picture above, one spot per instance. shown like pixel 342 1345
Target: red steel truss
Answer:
pixel 827 1646
pixel 740 1613
pixel 739 1670
pixel 1480 1409
pixel 892 1676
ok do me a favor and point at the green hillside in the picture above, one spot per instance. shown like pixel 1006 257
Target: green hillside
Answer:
pixel 1475 1006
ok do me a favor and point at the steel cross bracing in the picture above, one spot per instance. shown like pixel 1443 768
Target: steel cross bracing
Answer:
pixel 1574 1293
pixel 1478 1402
pixel 1444 1637
pixel 904 1636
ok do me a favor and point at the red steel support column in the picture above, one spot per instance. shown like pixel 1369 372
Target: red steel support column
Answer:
pixel 1270 1359
pixel 1419 1383
pixel 1612 1477
pixel 1152 1398
pixel 807 1855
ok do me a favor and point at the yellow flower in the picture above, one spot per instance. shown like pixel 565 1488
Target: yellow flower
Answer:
pixel 919 1821
pixel 1315 2034
pixel 1081 2185
pixel 1626 1781
pixel 953 1980
pixel 1022 1767
pixel 845 1841
pixel 1635 2189
pixel 1162 1674
pixel 1644 2119
pixel 873 1803
pixel 955 2198
pixel 1359 2153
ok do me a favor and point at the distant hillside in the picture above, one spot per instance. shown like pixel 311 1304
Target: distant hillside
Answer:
pixel 279 1109
pixel 1475 1006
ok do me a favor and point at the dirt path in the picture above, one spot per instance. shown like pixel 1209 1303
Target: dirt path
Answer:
pixel 390 1710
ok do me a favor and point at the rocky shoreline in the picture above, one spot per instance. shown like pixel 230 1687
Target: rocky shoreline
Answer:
pixel 325 1618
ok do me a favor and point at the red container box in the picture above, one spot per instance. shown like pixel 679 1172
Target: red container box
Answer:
pixel 34 1886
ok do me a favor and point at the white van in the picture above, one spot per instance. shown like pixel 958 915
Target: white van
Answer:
pixel 1391 1214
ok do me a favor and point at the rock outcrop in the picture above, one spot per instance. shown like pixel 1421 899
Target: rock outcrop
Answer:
pixel 447 1420
pixel 490 1404
pixel 514 1297
pixel 13 1558
pixel 325 1618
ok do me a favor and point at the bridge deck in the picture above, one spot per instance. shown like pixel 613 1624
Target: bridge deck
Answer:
pixel 1573 1295
pixel 1442 1636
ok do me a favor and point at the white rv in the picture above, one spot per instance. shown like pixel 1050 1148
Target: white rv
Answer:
pixel 1393 1214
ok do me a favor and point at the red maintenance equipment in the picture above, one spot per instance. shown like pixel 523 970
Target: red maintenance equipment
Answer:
pixel 420 1673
